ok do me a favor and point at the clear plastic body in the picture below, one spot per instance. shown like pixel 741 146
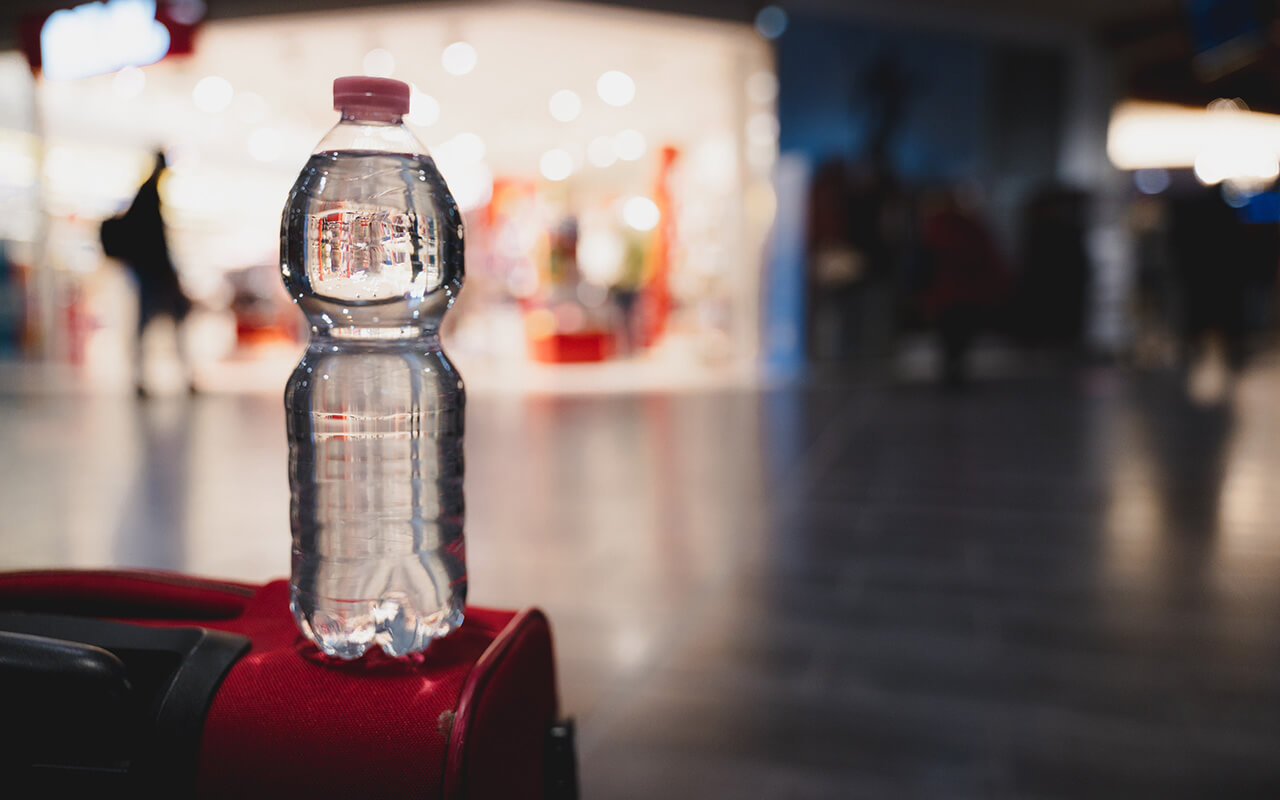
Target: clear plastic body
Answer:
pixel 371 251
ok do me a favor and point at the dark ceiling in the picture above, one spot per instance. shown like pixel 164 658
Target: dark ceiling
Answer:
pixel 1153 42
pixel 1071 13
pixel 1180 58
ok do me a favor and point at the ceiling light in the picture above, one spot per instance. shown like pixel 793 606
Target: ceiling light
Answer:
pixel 616 88
pixel 762 128
pixel 762 87
pixel 600 151
pixel 565 106
pixel 458 58
pixel 556 165
pixel 641 213
pixel 629 145
pixel 771 22
pixel 212 94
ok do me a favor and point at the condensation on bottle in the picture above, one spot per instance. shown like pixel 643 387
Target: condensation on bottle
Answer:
pixel 371 251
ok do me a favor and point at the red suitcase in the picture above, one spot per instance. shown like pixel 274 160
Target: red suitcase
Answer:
pixel 223 698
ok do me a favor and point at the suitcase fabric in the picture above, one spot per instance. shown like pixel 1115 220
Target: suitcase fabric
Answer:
pixel 469 718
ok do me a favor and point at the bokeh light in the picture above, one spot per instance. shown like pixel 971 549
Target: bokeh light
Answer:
pixel 459 58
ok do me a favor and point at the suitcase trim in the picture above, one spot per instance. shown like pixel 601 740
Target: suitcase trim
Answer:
pixel 124 594
pixel 150 576
pixel 472 689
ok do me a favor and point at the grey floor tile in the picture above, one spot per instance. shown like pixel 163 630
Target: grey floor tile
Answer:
pixel 1048 588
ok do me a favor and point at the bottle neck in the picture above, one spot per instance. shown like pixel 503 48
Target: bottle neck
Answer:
pixel 371 117
pixel 386 133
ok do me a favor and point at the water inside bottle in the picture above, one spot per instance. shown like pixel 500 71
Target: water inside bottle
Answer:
pixel 375 408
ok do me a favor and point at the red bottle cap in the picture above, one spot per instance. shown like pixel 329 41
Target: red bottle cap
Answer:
pixel 363 97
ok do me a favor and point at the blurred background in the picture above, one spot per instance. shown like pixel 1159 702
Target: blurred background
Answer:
pixel 878 397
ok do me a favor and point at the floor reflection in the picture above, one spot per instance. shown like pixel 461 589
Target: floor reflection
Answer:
pixel 1041 588
pixel 152 529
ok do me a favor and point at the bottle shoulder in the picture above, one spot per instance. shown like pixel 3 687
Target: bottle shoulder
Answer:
pixel 374 179
pixel 351 135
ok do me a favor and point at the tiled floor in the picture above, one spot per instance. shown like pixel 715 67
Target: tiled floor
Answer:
pixel 1049 587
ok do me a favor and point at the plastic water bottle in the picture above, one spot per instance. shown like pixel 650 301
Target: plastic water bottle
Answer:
pixel 371 250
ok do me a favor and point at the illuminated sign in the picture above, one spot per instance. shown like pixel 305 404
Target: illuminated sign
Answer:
pixel 96 38
pixel 101 37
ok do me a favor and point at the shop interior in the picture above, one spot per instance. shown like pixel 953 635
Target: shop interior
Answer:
pixel 617 205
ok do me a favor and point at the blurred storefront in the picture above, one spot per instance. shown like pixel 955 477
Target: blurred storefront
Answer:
pixel 613 167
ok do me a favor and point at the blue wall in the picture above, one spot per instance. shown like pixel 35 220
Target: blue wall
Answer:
pixel 821 64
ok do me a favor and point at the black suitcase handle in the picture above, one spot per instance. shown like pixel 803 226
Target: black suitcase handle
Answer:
pixel 98 704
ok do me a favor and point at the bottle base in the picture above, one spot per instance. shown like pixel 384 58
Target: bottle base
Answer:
pixel 347 629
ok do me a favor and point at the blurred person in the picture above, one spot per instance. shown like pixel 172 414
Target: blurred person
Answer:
pixel 1155 292
pixel 1213 257
pixel 836 264
pixel 11 306
pixel 967 278
pixel 626 290
pixel 851 255
pixel 1053 281
pixel 137 238
pixel 855 233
